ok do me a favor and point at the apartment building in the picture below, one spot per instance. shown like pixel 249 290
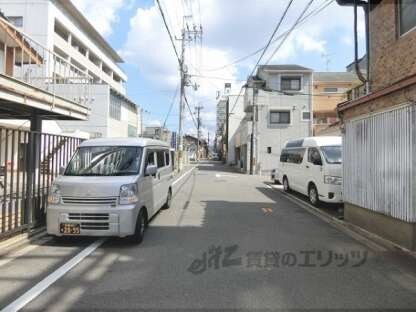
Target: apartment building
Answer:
pixel 30 159
pixel 157 133
pixel 330 89
pixel 59 26
pixel 231 129
pixel 276 107
pixel 380 126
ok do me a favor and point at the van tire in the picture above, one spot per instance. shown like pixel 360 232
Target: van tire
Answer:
pixel 141 224
pixel 286 186
pixel 313 195
pixel 168 200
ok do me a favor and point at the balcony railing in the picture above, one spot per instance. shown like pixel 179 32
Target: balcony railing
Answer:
pixel 356 92
pixel 29 61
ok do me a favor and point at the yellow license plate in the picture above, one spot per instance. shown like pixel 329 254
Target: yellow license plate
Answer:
pixel 70 228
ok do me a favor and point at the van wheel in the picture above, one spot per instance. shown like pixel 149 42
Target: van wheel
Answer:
pixel 286 187
pixel 141 222
pixel 168 200
pixel 313 195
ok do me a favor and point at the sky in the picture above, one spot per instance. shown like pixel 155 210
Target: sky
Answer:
pixel 231 30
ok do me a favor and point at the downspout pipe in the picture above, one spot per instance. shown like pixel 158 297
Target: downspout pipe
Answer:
pixel 357 67
pixel 366 6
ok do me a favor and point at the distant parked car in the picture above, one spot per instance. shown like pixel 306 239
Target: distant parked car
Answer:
pixel 313 166
pixel 274 177
pixel 215 156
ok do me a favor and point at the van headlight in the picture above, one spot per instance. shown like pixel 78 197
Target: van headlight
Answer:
pixel 128 194
pixel 332 180
pixel 54 196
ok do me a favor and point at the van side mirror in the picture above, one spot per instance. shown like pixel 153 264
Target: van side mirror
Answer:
pixel 151 170
pixel 61 170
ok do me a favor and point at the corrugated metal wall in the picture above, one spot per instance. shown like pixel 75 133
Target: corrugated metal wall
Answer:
pixel 378 163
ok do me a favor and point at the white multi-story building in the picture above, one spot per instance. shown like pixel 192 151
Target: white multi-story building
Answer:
pixel 59 26
pixel 277 106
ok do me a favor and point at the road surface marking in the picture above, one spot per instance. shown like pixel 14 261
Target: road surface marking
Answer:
pixel 23 251
pixel 267 211
pixel 217 175
pixel 181 177
pixel 36 290
pixel 40 287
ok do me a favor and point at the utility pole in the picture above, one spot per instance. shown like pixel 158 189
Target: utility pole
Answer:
pixel 187 35
pixel 252 133
pixel 198 120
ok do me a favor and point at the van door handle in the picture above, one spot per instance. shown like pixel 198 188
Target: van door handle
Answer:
pixel 307 166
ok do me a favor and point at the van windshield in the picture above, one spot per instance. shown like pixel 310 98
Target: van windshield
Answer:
pixel 332 154
pixel 105 161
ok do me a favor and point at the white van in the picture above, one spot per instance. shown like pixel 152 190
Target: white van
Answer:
pixel 313 166
pixel 111 187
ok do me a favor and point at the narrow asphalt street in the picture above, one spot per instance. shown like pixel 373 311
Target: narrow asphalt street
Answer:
pixel 228 242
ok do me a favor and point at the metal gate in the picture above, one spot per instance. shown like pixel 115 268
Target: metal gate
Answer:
pixel 378 161
pixel 29 162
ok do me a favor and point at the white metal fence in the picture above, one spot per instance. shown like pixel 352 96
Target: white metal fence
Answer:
pixel 378 163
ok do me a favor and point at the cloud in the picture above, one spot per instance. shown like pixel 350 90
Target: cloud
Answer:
pixel 232 29
pixel 101 13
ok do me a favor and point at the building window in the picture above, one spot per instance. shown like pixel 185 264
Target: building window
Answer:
pixel 330 90
pixel 132 131
pixel 306 116
pixel 115 107
pixel 279 117
pixel 407 15
pixel 290 83
pixel 16 20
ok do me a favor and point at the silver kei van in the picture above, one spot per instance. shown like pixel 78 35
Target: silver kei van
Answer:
pixel 111 187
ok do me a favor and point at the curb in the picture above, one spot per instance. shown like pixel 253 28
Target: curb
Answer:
pixel 15 242
pixel 372 240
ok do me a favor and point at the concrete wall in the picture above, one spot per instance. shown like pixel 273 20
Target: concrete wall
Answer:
pixel 275 136
pixel 97 124
pixel 234 123
pixel 395 230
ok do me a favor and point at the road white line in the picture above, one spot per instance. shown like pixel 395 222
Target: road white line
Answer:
pixel 36 290
pixel 181 177
pixel 52 278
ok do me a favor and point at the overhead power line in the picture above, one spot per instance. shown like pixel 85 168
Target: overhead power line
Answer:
pixel 264 49
pixel 272 36
pixel 311 14
pixel 168 30
pixel 171 105
pixel 290 31
pixel 190 111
